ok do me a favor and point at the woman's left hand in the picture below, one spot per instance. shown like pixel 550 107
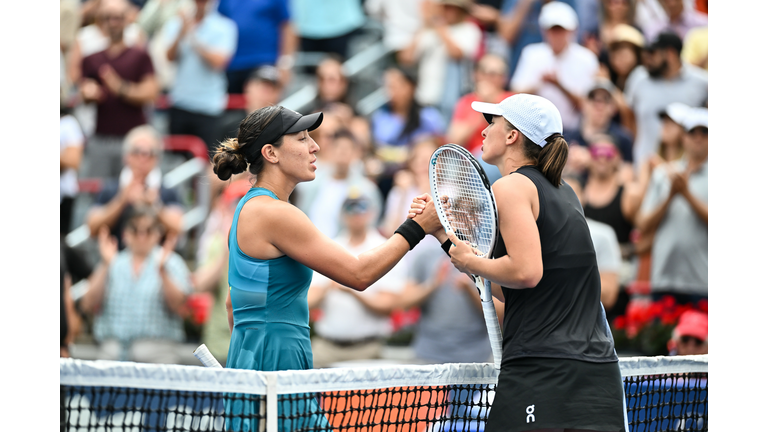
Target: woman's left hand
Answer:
pixel 462 254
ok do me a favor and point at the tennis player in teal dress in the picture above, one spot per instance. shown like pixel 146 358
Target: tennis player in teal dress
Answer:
pixel 274 249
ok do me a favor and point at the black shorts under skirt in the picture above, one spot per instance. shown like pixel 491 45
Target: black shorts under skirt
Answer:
pixel 541 393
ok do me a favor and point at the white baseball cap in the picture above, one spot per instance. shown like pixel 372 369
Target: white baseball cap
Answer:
pixel 536 117
pixel 677 112
pixel 558 14
pixel 696 117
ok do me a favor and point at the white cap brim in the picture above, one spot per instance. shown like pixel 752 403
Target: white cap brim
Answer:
pixel 487 108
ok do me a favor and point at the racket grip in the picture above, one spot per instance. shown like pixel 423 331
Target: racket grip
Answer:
pixel 206 358
pixel 494 331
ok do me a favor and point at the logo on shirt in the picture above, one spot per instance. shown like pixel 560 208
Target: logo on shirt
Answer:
pixel 531 418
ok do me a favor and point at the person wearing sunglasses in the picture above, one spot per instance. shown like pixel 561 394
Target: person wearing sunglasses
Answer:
pixel 137 296
pixel 140 183
pixel 607 193
pixel 609 198
pixel 675 209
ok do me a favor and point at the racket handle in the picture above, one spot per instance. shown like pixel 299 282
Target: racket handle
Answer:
pixel 494 331
pixel 206 358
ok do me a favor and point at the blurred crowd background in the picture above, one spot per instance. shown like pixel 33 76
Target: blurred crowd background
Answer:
pixel 149 89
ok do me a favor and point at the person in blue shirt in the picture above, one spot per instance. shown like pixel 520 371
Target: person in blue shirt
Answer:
pixel 274 248
pixel 402 121
pixel 327 26
pixel 201 46
pixel 265 36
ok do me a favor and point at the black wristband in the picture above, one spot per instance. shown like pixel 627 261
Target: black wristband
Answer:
pixel 411 231
pixel 447 246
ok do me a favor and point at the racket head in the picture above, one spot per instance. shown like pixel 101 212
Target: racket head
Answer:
pixel 469 210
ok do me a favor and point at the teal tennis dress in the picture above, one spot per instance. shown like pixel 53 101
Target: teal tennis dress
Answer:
pixel 271 327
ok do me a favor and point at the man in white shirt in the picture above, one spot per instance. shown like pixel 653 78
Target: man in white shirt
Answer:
pixel 558 69
pixel 353 325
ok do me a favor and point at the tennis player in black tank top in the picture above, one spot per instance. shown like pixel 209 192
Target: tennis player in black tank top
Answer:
pixel 559 368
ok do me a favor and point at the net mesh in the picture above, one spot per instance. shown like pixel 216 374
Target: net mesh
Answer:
pixel 662 394
pixel 462 199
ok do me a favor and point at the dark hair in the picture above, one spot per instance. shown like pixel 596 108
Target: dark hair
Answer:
pixel 143 211
pixel 344 133
pixel 413 121
pixel 550 159
pixel 229 160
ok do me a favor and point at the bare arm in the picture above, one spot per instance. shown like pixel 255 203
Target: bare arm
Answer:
pixel 97 281
pixel 289 43
pixel 174 297
pixel 107 214
pixel 509 25
pixel 453 49
pixel 316 294
pixel 172 218
pixel 216 60
pixel 649 221
pixel 70 158
pixel 143 92
pixel 407 55
pixel 230 317
pixel 275 228
pixel 382 303
pixel 609 291
pixel 700 208
pixel 415 294
pixel 207 277
pixel 522 267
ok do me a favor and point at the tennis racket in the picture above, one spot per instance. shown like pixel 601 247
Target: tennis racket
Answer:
pixel 466 207
pixel 206 358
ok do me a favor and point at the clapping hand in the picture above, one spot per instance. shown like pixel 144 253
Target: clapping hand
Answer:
pixel 107 245
pixel 679 183
pixel 111 79
pixel 168 246
pixel 91 90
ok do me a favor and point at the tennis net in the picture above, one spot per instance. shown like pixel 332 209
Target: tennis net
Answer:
pixel 662 394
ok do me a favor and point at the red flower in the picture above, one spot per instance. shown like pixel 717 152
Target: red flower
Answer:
pixel 668 301
pixel 620 322
pixel 703 306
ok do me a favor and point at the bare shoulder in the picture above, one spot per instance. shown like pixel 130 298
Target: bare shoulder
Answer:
pixel 515 185
pixel 269 210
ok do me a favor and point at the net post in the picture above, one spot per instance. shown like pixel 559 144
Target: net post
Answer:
pixel 271 401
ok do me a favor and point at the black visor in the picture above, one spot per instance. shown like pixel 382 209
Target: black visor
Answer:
pixel 286 122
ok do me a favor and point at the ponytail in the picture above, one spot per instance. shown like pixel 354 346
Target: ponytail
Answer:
pixel 550 159
pixel 228 160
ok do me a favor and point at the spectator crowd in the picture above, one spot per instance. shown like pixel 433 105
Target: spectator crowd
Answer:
pixel 628 76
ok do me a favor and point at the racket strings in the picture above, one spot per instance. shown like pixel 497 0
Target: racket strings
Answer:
pixel 464 199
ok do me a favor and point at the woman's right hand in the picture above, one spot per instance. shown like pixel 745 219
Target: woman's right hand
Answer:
pixel 424 213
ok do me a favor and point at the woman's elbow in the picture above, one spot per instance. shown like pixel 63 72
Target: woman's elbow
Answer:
pixel 525 279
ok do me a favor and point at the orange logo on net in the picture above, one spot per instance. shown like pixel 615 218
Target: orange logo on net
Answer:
pixel 385 410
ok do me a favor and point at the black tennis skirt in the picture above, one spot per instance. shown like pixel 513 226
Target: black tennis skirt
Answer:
pixel 540 393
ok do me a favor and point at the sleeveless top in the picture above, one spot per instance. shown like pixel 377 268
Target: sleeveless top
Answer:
pixel 611 214
pixel 562 316
pixel 270 311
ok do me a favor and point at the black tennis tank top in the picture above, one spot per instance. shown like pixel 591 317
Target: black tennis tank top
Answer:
pixel 612 215
pixel 562 316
